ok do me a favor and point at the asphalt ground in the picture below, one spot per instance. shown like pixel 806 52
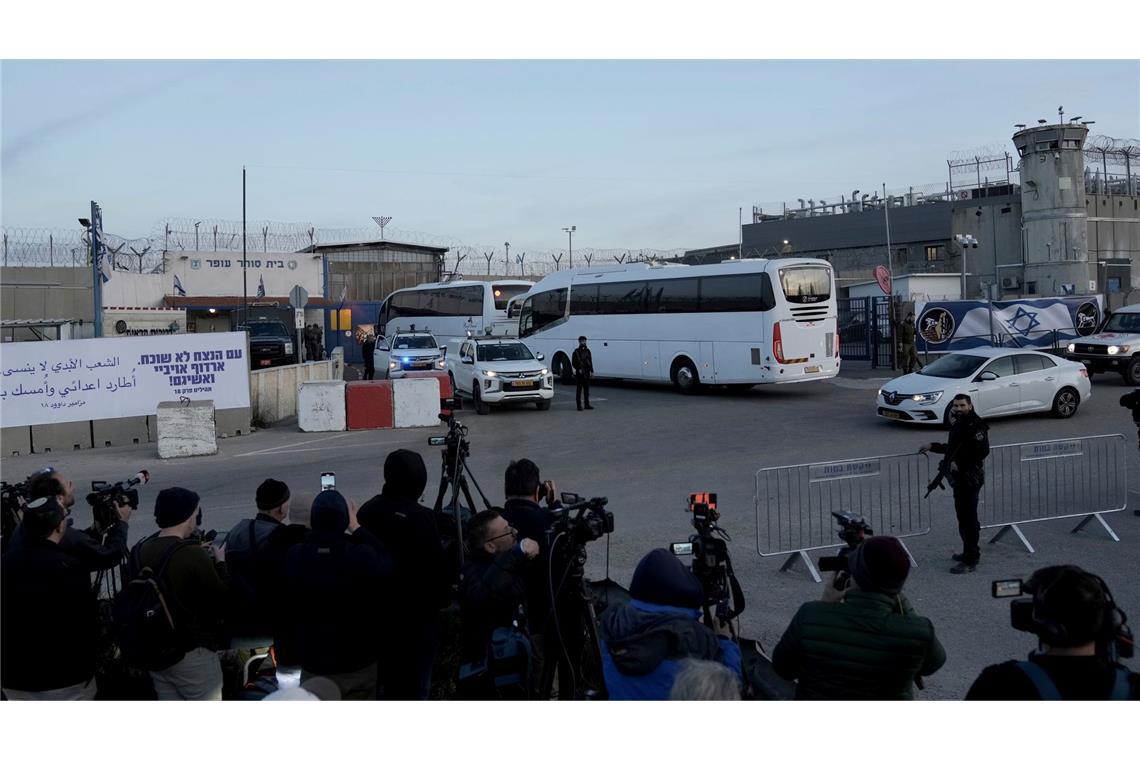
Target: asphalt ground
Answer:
pixel 646 448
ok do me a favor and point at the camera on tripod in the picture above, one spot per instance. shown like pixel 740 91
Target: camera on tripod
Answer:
pixel 105 498
pixel 583 520
pixel 852 530
pixel 712 564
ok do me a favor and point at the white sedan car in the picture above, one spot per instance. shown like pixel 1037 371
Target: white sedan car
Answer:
pixel 999 381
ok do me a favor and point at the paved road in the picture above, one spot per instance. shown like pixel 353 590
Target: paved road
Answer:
pixel 646 448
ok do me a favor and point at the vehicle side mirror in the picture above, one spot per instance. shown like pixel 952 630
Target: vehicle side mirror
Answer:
pixel 468 360
pixel 987 375
pixel 443 350
pixel 540 357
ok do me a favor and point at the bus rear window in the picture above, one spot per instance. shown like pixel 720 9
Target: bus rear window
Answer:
pixel 806 284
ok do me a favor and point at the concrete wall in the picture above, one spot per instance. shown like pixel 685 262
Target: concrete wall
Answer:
pixel 1114 227
pixel 46 293
pixel 273 391
pixel 134 289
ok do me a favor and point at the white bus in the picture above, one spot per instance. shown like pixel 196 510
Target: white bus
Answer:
pixel 739 322
pixel 449 309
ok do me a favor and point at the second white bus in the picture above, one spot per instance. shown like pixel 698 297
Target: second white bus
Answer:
pixel 742 322
pixel 449 309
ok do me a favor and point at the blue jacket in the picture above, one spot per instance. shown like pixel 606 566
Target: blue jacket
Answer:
pixel 644 644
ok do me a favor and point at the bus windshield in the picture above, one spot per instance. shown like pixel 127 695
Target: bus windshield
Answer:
pixel 504 293
pixel 503 352
pixel 806 284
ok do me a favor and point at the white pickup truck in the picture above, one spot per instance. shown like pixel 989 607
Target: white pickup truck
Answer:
pixel 498 370
pixel 1116 348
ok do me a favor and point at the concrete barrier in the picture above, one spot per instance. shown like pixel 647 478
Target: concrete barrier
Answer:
pixel 368 404
pixel 273 391
pixel 119 432
pixel 186 429
pixel 232 422
pixel 61 436
pixel 320 406
pixel 445 389
pixel 15 441
pixel 415 402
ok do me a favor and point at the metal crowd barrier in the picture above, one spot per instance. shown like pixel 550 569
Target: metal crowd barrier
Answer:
pixel 1051 480
pixel 794 503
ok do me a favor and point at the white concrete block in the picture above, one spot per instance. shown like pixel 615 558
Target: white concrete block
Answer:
pixel 320 406
pixel 186 429
pixel 415 402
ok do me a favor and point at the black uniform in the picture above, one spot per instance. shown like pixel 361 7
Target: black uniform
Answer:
pixel 583 363
pixel 965 452
pixel 368 348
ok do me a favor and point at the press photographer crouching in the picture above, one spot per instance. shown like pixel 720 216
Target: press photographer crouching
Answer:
pixel 103 545
pixel 1080 633
pixel 492 597
pixel 49 614
pixel 863 640
pixel 645 642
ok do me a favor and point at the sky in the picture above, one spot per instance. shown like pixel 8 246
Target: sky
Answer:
pixel 635 154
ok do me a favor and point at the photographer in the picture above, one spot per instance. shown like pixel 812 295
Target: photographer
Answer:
pixel 1132 401
pixel 420 582
pixel 1076 622
pixel 49 615
pixel 99 547
pixel 863 640
pixel 196 585
pixel 964 466
pixel 256 566
pixel 645 642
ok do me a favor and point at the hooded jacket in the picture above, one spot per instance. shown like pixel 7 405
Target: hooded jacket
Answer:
pixel 643 645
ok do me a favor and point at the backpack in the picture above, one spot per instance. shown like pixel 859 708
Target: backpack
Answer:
pixel 145 630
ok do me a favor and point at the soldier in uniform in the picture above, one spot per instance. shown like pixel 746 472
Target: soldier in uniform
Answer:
pixel 908 354
pixel 583 363
pixel 964 466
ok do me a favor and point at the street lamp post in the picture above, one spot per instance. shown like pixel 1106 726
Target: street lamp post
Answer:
pixel 570 234
pixel 506 259
pixel 196 248
pixel 965 241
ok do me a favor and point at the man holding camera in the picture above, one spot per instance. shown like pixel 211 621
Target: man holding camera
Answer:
pixel 49 613
pixel 645 642
pixel 99 547
pixel 964 466
pixel 1077 624
pixel 863 640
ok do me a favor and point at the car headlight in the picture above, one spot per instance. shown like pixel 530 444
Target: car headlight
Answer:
pixel 1071 348
pixel 927 398
pixel 545 371
pixel 1113 350
pixel 393 365
pixel 490 373
pixel 288 349
pixel 441 363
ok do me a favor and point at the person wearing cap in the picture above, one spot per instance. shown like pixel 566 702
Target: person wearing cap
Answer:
pixel 256 564
pixel 863 640
pixel 646 642
pixel 421 581
pixel 338 593
pixel 582 361
pixel 49 615
pixel 98 547
pixel 196 583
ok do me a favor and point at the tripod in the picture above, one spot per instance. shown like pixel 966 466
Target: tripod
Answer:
pixel 578 653
pixel 454 478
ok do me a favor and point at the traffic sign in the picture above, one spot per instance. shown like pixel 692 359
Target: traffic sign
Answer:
pixel 299 318
pixel 884 278
pixel 298 297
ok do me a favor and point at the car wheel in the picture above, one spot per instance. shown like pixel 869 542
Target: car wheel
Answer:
pixel 563 370
pixel 1132 373
pixel 477 399
pixel 1065 403
pixel 542 405
pixel 684 376
pixel 946 415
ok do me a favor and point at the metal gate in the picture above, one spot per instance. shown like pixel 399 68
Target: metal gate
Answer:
pixel 865 330
pixel 363 313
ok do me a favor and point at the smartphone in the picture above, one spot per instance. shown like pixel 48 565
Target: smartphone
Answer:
pixel 328 481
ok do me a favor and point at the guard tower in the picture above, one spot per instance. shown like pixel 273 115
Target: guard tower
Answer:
pixel 1054 220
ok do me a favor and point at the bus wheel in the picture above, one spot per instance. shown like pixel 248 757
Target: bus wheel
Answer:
pixel 563 370
pixel 684 374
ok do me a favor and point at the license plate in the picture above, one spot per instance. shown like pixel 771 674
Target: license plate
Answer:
pixel 266 362
pixel 522 384
pixel 811 370
pixel 891 415
pixel 425 365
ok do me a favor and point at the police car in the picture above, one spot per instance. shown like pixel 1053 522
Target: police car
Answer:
pixel 411 352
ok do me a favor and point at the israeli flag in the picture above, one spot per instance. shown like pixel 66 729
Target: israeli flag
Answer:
pixel 178 289
pixel 261 287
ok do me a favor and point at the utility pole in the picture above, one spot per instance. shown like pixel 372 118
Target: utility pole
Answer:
pixel 244 265
pixel 506 258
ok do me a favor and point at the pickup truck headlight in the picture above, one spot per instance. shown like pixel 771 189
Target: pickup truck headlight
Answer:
pixel 393 365
pixel 288 349
pixel 1114 350
pixel 545 371
pixel 440 363
pixel 927 398
pixel 490 373
pixel 1071 348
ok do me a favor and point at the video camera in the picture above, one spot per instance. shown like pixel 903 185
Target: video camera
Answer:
pixel 853 529
pixel 104 497
pixel 712 564
pixel 1119 642
pixel 582 520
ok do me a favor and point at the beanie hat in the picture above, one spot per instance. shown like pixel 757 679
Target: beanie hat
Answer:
pixel 330 513
pixel 174 506
pixel 271 494
pixel 405 475
pixel 42 516
pixel 880 564
pixel 660 578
